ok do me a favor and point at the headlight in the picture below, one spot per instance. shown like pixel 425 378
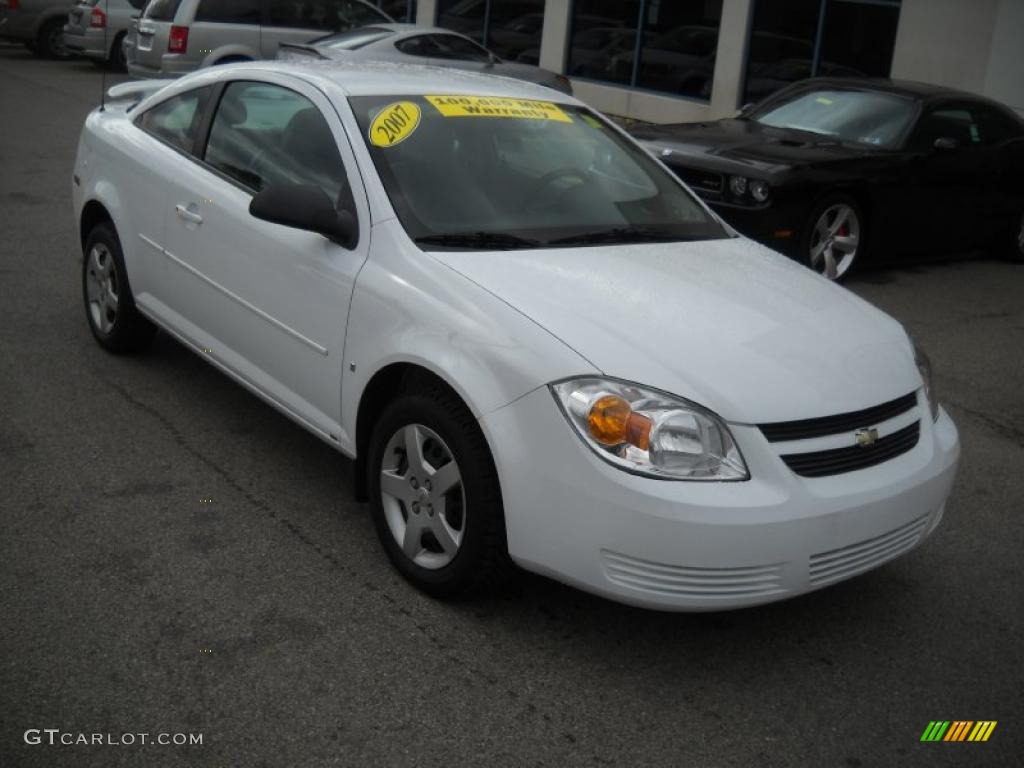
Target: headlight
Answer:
pixel 759 190
pixel 648 432
pixel 738 185
pixel 924 365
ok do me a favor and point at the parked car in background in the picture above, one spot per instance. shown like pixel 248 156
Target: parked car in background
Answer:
pixel 414 44
pixel 591 50
pixel 96 29
pixel 38 24
pixel 177 36
pixel 834 172
pixel 554 354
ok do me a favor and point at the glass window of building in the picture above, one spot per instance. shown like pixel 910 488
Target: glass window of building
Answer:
pixel 660 45
pixel 399 10
pixel 511 29
pixel 794 39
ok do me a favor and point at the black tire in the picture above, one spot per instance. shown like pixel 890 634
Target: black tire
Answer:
pixel 49 40
pixel 809 238
pixel 116 58
pixel 128 330
pixel 481 564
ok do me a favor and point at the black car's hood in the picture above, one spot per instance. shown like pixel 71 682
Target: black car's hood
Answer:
pixel 746 143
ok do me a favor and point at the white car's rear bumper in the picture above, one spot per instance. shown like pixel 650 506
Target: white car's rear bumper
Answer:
pixel 677 545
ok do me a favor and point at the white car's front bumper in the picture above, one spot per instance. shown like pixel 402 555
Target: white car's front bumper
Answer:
pixel 677 545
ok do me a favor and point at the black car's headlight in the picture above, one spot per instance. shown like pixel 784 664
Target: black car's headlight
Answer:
pixel 744 190
pixel 649 432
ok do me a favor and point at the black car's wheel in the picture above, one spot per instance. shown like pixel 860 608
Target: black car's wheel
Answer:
pixel 113 319
pixel 434 494
pixel 833 237
pixel 50 40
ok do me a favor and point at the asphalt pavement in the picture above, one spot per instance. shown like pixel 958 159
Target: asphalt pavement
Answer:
pixel 176 557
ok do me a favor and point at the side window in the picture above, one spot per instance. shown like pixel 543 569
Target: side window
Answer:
pixel 264 134
pixel 452 47
pixel 995 126
pixel 947 123
pixel 230 11
pixel 421 45
pixel 176 121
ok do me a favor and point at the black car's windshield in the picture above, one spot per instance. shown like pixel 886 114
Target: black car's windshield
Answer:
pixel 865 117
pixel 473 172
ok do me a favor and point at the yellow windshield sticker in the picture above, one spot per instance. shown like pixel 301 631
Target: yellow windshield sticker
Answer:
pixel 395 123
pixel 592 121
pixel 823 100
pixel 497 106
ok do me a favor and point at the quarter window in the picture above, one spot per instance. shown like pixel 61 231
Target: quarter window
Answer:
pixel 264 134
pixel 458 48
pixel 176 121
pixel 230 11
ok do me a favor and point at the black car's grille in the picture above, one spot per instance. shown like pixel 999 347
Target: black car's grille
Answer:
pixel 702 182
pixel 834 425
pixel 839 460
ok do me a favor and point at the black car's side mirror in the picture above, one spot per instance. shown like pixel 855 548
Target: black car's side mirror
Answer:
pixel 946 144
pixel 305 206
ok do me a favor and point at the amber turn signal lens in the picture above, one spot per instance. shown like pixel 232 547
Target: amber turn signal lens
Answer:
pixel 608 418
pixel 611 421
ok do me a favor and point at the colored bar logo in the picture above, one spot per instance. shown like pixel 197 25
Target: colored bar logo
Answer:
pixel 958 730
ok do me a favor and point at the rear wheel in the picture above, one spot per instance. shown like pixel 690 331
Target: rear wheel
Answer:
pixel 434 493
pixel 833 237
pixel 109 307
pixel 50 40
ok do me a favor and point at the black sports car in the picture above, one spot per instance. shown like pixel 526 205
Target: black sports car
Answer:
pixel 837 171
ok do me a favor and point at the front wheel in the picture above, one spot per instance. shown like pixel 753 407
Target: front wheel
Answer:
pixel 435 498
pixel 834 236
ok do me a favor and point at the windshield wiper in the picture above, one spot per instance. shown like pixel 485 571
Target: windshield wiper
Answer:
pixel 621 235
pixel 497 241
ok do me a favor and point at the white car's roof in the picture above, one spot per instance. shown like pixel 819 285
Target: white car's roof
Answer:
pixel 372 78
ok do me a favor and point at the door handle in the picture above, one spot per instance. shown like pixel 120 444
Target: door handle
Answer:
pixel 188 215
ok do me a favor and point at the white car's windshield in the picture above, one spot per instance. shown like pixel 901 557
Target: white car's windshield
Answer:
pixel 865 117
pixel 487 172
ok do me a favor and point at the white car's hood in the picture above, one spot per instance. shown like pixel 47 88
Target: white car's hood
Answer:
pixel 726 323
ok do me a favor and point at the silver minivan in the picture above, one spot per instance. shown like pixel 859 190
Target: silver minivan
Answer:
pixel 177 36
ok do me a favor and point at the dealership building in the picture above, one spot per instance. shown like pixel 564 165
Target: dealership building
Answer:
pixel 685 60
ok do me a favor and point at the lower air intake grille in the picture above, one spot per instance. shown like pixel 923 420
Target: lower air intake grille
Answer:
pixel 683 581
pixel 839 460
pixel 837 564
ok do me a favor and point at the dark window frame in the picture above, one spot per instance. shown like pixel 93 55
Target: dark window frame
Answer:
pixel 819 34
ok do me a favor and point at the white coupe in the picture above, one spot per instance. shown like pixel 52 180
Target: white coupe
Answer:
pixel 537 345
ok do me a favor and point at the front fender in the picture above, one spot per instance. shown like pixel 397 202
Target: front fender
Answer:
pixel 408 307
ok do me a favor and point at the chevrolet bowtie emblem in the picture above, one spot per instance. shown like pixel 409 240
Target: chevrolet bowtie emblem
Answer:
pixel 866 437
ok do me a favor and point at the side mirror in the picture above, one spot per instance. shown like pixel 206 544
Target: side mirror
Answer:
pixel 945 144
pixel 305 206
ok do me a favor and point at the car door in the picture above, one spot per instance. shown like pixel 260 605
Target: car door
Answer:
pixel 166 136
pixel 949 170
pixel 267 301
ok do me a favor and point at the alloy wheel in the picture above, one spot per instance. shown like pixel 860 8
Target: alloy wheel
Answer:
pixel 834 241
pixel 423 496
pixel 102 290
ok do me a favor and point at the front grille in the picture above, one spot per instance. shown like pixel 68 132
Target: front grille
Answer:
pixel 700 181
pixel 684 581
pixel 836 564
pixel 839 460
pixel 834 425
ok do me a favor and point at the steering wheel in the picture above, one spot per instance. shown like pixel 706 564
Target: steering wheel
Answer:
pixel 547 180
